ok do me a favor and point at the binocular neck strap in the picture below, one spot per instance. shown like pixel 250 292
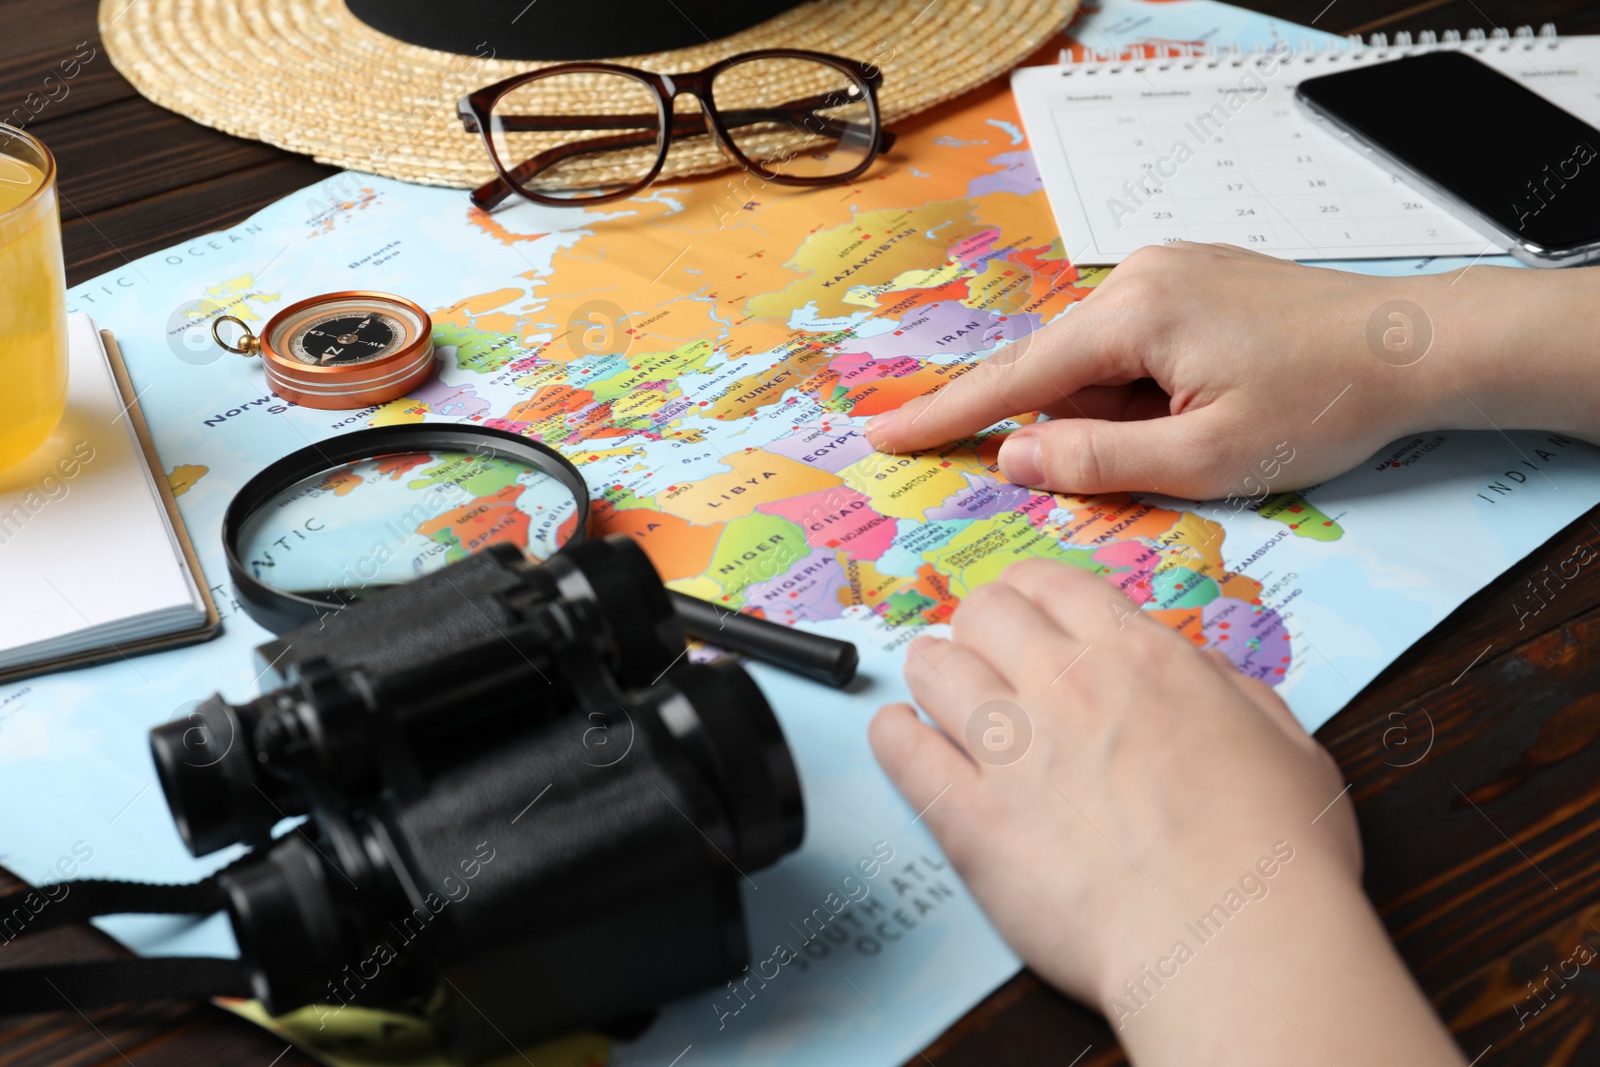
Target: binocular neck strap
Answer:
pixel 86 986
pixel 60 986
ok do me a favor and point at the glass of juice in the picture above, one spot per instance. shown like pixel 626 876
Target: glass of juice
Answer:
pixel 33 312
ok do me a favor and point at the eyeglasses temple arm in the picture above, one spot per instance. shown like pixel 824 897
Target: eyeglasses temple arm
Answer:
pixel 493 192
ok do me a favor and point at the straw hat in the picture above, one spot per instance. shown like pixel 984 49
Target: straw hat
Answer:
pixel 312 77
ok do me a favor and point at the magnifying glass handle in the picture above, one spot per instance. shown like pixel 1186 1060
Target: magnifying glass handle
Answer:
pixel 824 659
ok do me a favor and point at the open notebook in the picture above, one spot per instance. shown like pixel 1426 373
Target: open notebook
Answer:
pixel 94 561
pixel 1202 144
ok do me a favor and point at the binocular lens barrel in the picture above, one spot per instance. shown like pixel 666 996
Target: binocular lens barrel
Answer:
pixel 609 848
pixel 208 771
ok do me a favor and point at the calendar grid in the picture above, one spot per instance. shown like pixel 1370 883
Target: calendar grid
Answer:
pixel 1216 149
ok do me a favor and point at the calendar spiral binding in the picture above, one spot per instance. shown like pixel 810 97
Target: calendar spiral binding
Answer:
pixel 1353 48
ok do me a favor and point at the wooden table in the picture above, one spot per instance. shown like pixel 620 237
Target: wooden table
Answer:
pixel 1474 759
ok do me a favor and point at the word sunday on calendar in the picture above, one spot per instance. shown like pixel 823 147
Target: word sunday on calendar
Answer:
pixel 1210 145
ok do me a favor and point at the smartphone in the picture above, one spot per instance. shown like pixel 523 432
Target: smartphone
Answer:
pixel 1507 161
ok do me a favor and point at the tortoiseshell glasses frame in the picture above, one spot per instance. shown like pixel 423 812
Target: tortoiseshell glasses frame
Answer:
pixel 478 115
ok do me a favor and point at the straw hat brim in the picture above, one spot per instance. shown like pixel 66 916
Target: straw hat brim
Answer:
pixel 308 76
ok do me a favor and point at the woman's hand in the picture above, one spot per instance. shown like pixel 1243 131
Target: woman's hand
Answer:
pixel 1192 369
pixel 1151 831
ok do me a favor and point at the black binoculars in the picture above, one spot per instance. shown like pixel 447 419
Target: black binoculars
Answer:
pixel 523 812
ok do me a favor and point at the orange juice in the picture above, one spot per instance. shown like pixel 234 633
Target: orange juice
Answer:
pixel 33 316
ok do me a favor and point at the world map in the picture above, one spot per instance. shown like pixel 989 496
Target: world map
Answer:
pixel 710 354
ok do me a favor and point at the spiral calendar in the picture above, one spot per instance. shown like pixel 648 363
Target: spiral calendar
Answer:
pixel 1195 143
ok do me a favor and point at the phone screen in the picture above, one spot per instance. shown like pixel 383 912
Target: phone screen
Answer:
pixel 1495 144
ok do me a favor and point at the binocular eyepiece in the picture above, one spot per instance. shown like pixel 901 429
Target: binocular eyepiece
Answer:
pixel 512 782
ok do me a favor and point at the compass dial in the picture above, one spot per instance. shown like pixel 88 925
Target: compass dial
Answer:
pixel 345 339
pixel 345 332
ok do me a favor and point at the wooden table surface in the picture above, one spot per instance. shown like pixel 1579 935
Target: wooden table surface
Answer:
pixel 1474 759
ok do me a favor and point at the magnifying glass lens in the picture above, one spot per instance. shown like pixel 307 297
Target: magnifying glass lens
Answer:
pixel 336 521
pixel 362 526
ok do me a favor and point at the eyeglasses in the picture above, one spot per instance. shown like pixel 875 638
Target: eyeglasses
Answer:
pixel 588 133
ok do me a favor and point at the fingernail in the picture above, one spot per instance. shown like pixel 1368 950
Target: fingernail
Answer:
pixel 1020 462
pixel 877 425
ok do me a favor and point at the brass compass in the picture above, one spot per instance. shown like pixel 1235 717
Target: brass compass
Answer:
pixel 341 350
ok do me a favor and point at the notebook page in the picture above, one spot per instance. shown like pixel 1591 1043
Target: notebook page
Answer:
pixel 86 553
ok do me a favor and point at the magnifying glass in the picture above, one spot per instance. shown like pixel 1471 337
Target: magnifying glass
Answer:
pixel 345 518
